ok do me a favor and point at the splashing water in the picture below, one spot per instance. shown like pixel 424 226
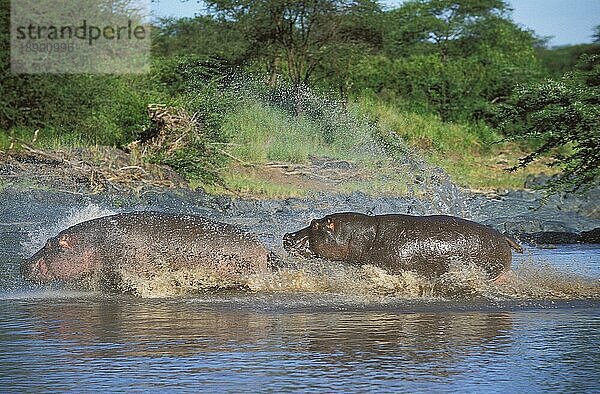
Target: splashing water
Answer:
pixel 534 278
pixel 169 282
pixel 38 237
pixel 382 161
pixel 532 281
pixel 538 278
pixel 346 133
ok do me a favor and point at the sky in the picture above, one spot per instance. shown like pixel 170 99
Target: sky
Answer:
pixel 567 21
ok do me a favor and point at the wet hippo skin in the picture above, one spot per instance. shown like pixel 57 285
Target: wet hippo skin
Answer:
pixel 144 241
pixel 427 245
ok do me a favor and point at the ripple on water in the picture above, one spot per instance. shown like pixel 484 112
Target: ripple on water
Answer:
pixel 240 342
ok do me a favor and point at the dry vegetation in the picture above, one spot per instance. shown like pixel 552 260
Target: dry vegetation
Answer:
pixel 83 170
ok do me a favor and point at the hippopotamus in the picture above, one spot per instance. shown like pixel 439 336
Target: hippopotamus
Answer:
pixel 142 242
pixel 427 245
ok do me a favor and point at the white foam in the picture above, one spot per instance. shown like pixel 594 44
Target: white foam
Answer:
pixel 38 237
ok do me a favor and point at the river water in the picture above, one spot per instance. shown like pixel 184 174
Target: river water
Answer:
pixel 530 338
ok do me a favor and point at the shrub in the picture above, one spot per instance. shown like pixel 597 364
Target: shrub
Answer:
pixel 563 118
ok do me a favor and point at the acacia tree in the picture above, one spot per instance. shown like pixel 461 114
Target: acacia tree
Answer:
pixel 564 118
pixel 201 35
pixel 294 36
pixel 440 26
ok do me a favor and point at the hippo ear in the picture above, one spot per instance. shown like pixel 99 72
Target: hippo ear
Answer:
pixel 330 224
pixel 314 224
pixel 66 241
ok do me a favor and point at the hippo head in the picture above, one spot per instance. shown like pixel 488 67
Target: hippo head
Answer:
pixel 64 257
pixel 335 237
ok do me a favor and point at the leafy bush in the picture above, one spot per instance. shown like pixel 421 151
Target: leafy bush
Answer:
pixel 458 89
pixel 563 117
pixel 103 110
pixel 450 58
pixel 195 85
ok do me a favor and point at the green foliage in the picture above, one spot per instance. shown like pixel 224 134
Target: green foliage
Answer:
pixel 202 35
pixel 451 58
pixel 457 90
pixel 428 131
pixel 563 116
pixel 260 133
pixel 411 69
pixel 444 27
pixel 98 110
pixel 70 109
pixel 558 61
pixel 79 109
pixel 196 85
pixel 108 110
pixel 295 36
pixel 195 162
pixel 264 127
pixel 448 57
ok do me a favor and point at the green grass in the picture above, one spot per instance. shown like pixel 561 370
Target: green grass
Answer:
pixel 46 138
pixel 260 133
pixel 428 131
pixel 248 185
pixel 469 153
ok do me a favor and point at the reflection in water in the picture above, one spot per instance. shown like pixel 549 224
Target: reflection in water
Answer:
pixel 314 326
pixel 246 342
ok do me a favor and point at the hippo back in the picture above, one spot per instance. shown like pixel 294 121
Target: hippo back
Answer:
pixel 143 242
pixel 429 244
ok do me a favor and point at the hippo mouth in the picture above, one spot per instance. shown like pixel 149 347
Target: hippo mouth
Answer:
pixel 297 244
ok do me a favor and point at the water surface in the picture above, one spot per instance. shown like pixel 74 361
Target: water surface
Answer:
pixel 536 337
pixel 84 342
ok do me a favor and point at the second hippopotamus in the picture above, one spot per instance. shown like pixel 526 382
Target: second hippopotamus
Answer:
pixel 144 242
pixel 427 245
